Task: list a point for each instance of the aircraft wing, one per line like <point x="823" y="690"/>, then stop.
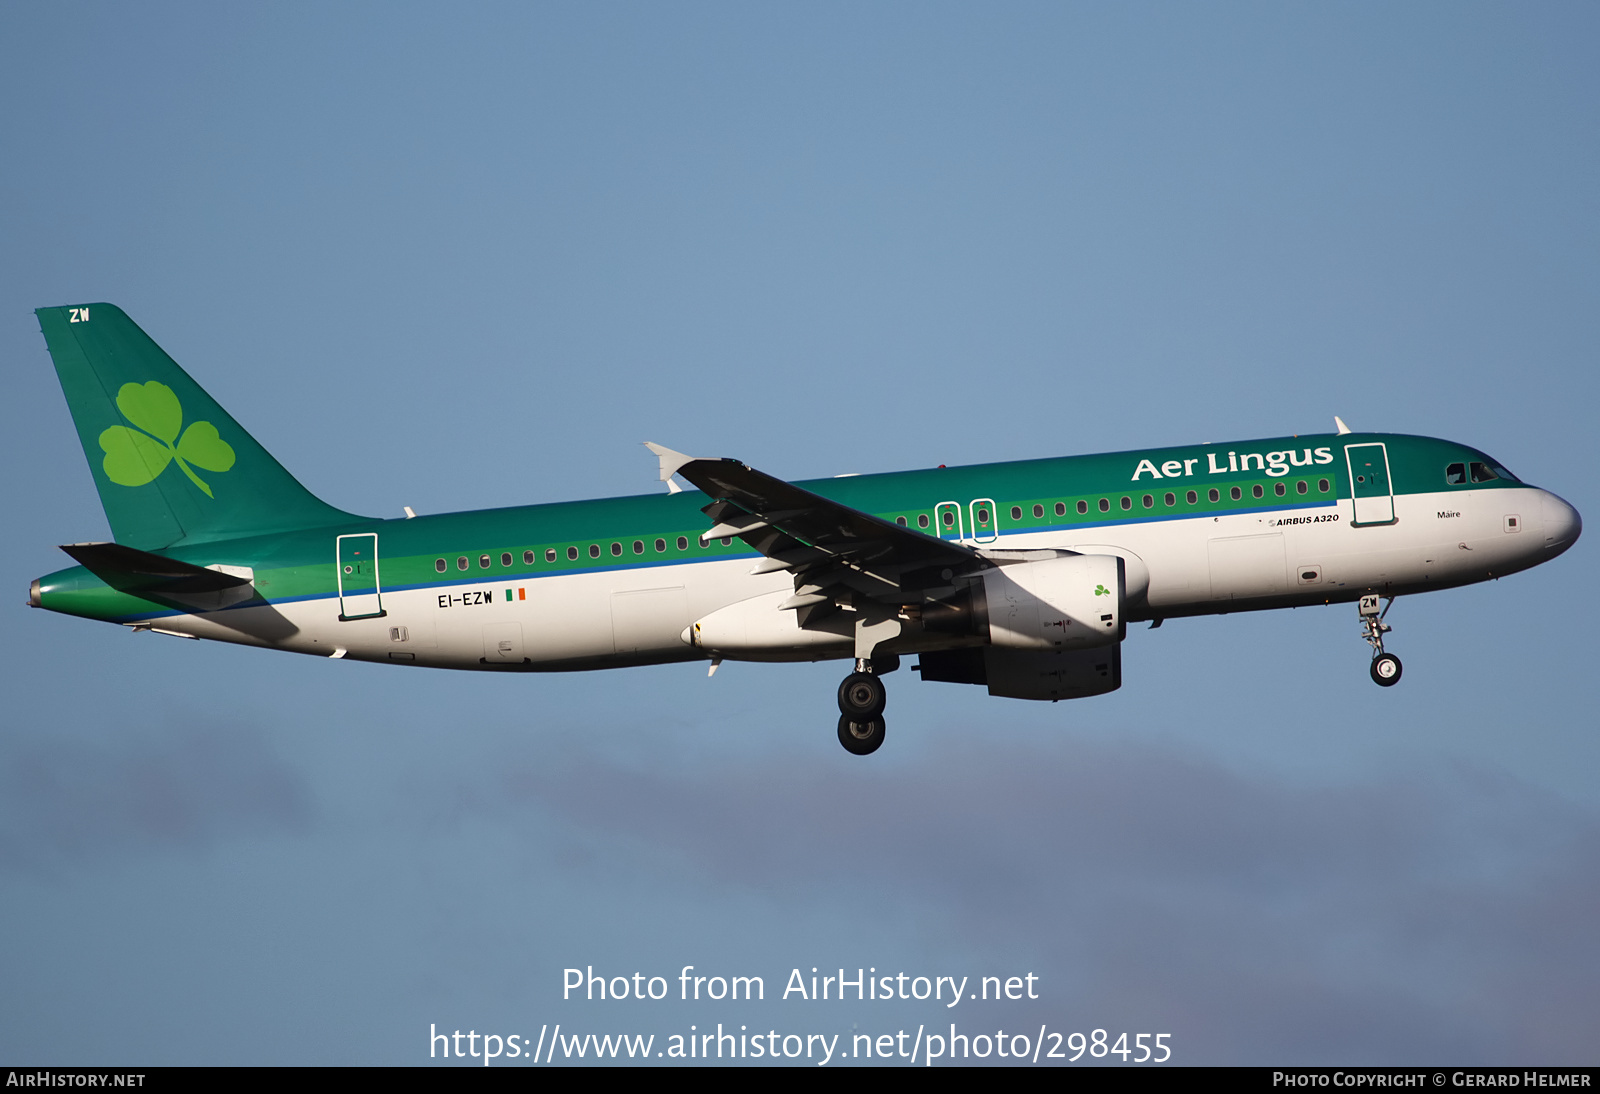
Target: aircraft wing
<point x="838" y="555"/>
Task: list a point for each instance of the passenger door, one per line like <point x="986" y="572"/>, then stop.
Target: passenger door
<point x="1370" y="489"/>
<point x="360" y="591"/>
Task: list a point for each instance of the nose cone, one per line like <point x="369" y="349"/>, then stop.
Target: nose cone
<point x="1562" y="524"/>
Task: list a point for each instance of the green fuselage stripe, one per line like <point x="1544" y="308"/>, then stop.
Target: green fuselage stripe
<point x="1072" y="494"/>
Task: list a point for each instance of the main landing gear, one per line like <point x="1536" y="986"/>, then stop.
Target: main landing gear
<point x="1385" y="666"/>
<point x="861" y="701"/>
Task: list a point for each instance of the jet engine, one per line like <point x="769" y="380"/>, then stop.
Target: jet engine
<point x="1070" y="602"/>
<point x="1055" y="629"/>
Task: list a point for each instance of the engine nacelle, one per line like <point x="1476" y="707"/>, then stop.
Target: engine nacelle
<point x="1072" y="602"/>
<point x="1029" y="674"/>
<point x="1059" y="674"/>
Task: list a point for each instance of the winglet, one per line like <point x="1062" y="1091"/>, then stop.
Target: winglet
<point x="1338" y="421"/>
<point x="670" y="462"/>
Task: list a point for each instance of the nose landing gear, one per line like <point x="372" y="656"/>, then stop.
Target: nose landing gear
<point x="1386" y="670"/>
<point x="861" y="701"/>
<point x="1386" y="667"/>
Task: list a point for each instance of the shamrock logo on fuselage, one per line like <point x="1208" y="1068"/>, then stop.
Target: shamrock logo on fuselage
<point x="1101" y="590"/>
<point x="134" y="458"/>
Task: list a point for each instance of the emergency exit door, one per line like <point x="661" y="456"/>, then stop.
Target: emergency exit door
<point x="947" y="521"/>
<point x="984" y="524"/>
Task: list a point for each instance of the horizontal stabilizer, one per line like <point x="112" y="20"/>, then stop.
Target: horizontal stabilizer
<point x="135" y="571"/>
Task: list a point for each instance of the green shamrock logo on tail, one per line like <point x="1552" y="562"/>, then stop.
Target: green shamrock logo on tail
<point x="134" y="458"/>
<point x="1101" y="590"/>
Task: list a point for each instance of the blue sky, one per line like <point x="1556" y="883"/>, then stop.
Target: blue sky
<point x="472" y="258"/>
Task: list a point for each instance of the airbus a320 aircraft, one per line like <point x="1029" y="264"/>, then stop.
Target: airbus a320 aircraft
<point x="1021" y="577"/>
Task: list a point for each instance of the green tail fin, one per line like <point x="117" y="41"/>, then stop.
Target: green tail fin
<point x="170" y="464"/>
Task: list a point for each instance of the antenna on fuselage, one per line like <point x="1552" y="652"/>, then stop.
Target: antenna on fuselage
<point x="1338" y="421"/>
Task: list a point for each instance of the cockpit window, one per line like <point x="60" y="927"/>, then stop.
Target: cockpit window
<point x="1458" y="474"/>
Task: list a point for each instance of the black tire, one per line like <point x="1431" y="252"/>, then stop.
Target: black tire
<point x="1386" y="670"/>
<point x="862" y="696"/>
<point x="860" y="738"/>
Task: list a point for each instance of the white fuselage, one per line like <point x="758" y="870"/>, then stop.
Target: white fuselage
<point x="1184" y="566"/>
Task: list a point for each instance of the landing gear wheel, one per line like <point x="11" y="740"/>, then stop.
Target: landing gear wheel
<point x="1385" y="666"/>
<point x="1386" y="670"/>
<point x="861" y="738"/>
<point x="862" y="697"/>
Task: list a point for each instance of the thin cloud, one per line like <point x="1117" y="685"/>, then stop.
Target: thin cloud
<point x="64" y="802"/>
<point x="1439" y="916"/>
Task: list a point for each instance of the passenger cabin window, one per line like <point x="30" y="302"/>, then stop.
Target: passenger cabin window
<point x="1322" y="485"/>
<point x="683" y="543"/>
<point x="1256" y="490"/>
<point x="1236" y="493"/>
<point x="1149" y="502"/>
<point x="483" y="562"/>
<point x="1279" y="489"/>
<point x="949" y="519"/>
<point x="1171" y="499"/>
<point x="440" y="565"/>
<point x="1038" y="510"/>
<point x="1213" y="495"/>
<point x="661" y="545"/>
<point x="1016" y="512"/>
<point x="594" y="550"/>
<point x="461" y="563"/>
<point x="1127" y="503"/>
<point x="527" y="558"/>
<point x="1191" y="497"/>
<point x="616" y="548"/>
<point x="1083" y="507"/>
<point x="572" y="554"/>
<point x="922" y="520"/>
<point x="505" y="558"/>
<point x="1105" y="505"/>
<point x="638" y="546"/>
<point x="1061" y="508"/>
<point x="901" y="521"/>
<point x="550" y="554"/>
<point x="1300" y="487"/>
